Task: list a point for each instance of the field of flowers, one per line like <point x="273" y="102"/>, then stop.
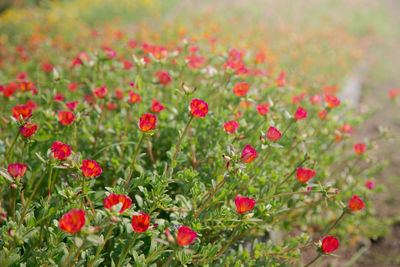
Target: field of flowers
<point x="151" y="141"/>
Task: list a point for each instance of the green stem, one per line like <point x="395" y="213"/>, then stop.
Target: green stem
<point x="11" y="148"/>
<point x="314" y="260"/>
<point x="102" y="246"/>
<point x="178" y="146"/>
<point x="49" y="184"/>
<point x="134" y="160"/>
<point x="169" y="259"/>
<point x="289" y="194"/>
<point x="155" y="254"/>
<point x="31" y="197"/>
<point x="335" y="223"/>
<point x="127" y="249"/>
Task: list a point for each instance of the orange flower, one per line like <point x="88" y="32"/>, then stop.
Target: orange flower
<point x="185" y="236"/>
<point x="198" y="108"/>
<point x="322" y="114"/>
<point x="134" y="98"/>
<point x="273" y="134"/>
<point x="119" y="94"/>
<point x="113" y="199"/>
<point x="300" y="114"/>
<point x="17" y="169"/>
<point x="127" y="64"/>
<point x="304" y="174"/>
<point x="248" y="154"/>
<point x="66" y="117"/>
<point x="141" y="222"/>
<point x="28" y="129"/>
<point x="330" y="244"/>
<point x="90" y="168"/>
<point x="281" y="81"/>
<point x="21" y="110"/>
<point x="359" y="148"/>
<point x="241" y="88"/>
<point x="263" y="109"/>
<point x="26" y="86"/>
<point x="156" y="106"/>
<point x="244" y="204"/>
<point x="100" y="92"/>
<point x="356" y="203"/>
<point x="332" y="101"/>
<point x="163" y="77"/>
<point x="73" y="221"/>
<point x="60" y="150"/>
<point x="315" y="99"/>
<point x="147" y="122"/>
<point x="231" y="126"/>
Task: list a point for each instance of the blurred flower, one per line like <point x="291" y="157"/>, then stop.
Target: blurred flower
<point x="141" y="222"/>
<point x="248" y="154"/>
<point x="322" y="114"/>
<point x="17" y="169"/>
<point x="60" y="150"/>
<point x="163" y="77"/>
<point x="298" y="98"/>
<point x="72" y="87"/>
<point x="113" y="199"/>
<point x="66" y="117"/>
<point x="263" y="109"/>
<point x="273" y="134"/>
<point x="241" y="88"/>
<point x="156" y="106"/>
<point x="304" y="174"/>
<point x="47" y="67"/>
<point x="281" y="80"/>
<point x="100" y="92"/>
<point x="127" y="64"/>
<point x="330" y="244"/>
<point x="59" y="97"/>
<point x="332" y="101"/>
<point x="231" y="126"/>
<point x="300" y="114"/>
<point x="244" y="204"/>
<point x="315" y="99"/>
<point x="90" y="168"/>
<point x="109" y="52"/>
<point x="393" y="93"/>
<point x="31" y="104"/>
<point x="356" y="203"/>
<point x="134" y="98"/>
<point x="72" y="105"/>
<point x="119" y="94"/>
<point x="147" y="122"/>
<point x="26" y="86"/>
<point x="198" y="108"/>
<point x="21" y="110"/>
<point x="73" y="221"/>
<point x="185" y="236"/>
<point x="28" y="129"/>
<point x="111" y="105"/>
<point x="370" y="184"/>
<point x="359" y="148"/>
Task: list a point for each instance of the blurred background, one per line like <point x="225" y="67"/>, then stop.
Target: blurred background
<point x="351" y="45"/>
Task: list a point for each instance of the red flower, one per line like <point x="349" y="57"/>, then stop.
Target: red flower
<point x="47" y="67"/>
<point x="359" y="148"/>
<point x="332" y="101"/>
<point x="119" y="94"/>
<point x="241" y="88"/>
<point x="60" y="150"/>
<point x="370" y="185"/>
<point x="127" y="64"/>
<point x="90" y="168"/>
<point x="59" y="97"/>
<point x="17" y="169"/>
<point x="147" y="122"/>
<point x="263" y="109"/>
<point x="281" y="81"/>
<point x="248" y="154"/>
<point x="113" y="199"/>
<point x="231" y="126"/>
<point x="300" y="114"/>
<point x="140" y="223"/>
<point x="273" y="134"/>
<point x="111" y="106"/>
<point x="315" y="99"/>
<point x="393" y="93"/>
<point x="26" y="86"/>
<point x="134" y="98"/>
<point x="28" y="130"/>
<point x="21" y="110"/>
<point x="109" y="52"/>
<point x="72" y="86"/>
<point x="322" y="114"/>
<point x="330" y="244"/>
<point x="356" y="203"/>
<point x="163" y="77"/>
<point x="72" y="105"/>
<point x="31" y="104"/>
<point x="198" y="108"/>
<point x="244" y="204"/>
<point x="100" y="92"/>
<point x="66" y="117"/>
<point x="156" y="106"/>
<point x="304" y="174"/>
<point x="260" y="57"/>
<point x="73" y="221"/>
<point x="185" y="236"/>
